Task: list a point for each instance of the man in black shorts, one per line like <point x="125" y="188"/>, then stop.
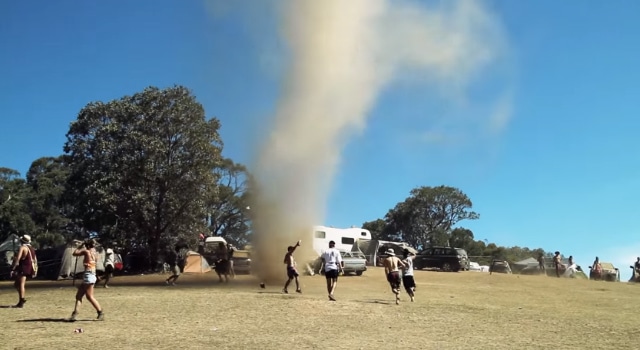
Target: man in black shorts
<point x="332" y="261"/>
<point x="292" y="272"/>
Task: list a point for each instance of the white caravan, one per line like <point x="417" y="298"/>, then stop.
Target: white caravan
<point x="344" y="237"/>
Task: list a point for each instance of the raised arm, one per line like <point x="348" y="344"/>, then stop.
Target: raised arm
<point x="79" y="251"/>
<point x="295" y="246"/>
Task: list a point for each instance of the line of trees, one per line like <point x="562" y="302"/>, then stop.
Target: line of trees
<point x="143" y="171"/>
<point x="428" y="217"/>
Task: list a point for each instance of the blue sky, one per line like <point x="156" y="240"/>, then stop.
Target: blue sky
<point x="561" y="175"/>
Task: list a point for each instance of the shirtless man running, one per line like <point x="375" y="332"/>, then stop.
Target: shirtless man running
<point x="292" y="272"/>
<point x="392" y="265"/>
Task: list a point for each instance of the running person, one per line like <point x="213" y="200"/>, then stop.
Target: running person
<point x="392" y="265"/>
<point x="407" y="274"/>
<point x="292" y="272"/>
<point x="332" y="261"/>
<point x="22" y="268"/>
<point x="88" y="278"/>
<point x="172" y="260"/>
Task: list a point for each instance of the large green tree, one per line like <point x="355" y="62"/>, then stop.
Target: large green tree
<point x="47" y="178"/>
<point x="14" y="214"/>
<point x="142" y="165"/>
<point x="429" y="214"/>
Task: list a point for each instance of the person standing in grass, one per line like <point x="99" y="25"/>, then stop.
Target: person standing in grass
<point x="407" y="274"/>
<point x="392" y="265"/>
<point x="172" y="260"/>
<point x="23" y="267"/>
<point x="541" y="263"/>
<point x="557" y="263"/>
<point x="332" y="261"/>
<point x="109" y="265"/>
<point x="292" y="272"/>
<point x="89" y="254"/>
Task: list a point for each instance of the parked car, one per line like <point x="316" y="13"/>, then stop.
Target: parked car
<point x="474" y="266"/>
<point x="354" y="262"/>
<point x="443" y="258"/>
<point x="242" y="261"/>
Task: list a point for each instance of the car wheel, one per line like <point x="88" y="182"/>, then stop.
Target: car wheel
<point x="446" y="267"/>
<point x="358" y="273"/>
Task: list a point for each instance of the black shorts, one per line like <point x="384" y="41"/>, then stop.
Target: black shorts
<point x="331" y="274"/>
<point x="108" y="270"/>
<point x="292" y="272"/>
<point x="408" y="282"/>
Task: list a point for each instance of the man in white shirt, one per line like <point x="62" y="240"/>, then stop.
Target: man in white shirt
<point x="109" y="262"/>
<point x="407" y="274"/>
<point x="333" y="264"/>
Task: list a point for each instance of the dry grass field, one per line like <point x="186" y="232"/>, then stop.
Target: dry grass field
<point x="452" y="311"/>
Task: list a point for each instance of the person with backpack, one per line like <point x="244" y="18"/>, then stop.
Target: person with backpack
<point x="25" y="265"/>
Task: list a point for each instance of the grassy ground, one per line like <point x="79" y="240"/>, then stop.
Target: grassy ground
<point x="464" y="310"/>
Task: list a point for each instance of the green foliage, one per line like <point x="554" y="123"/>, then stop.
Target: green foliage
<point x="428" y="215"/>
<point x="14" y="214"/>
<point x="141" y="167"/>
<point x="48" y="207"/>
<point x="227" y="203"/>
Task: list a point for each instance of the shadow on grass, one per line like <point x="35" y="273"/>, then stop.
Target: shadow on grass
<point x="376" y="301"/>
<point x="7" y="307"/>
<point x="47" y="319"/>
<point x="156" y="280"/>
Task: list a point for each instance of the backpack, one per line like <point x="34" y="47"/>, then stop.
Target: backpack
<point x="34" y="263"/>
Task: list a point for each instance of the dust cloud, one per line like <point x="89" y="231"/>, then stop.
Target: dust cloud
<point x="342" y="55"/>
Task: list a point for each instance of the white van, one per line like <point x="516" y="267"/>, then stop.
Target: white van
<point x="345" y="238"/>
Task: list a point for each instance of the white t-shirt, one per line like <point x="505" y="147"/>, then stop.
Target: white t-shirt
<point x="109" y="258"/>
<point x="331" y="258"/>
<point x="408" y="269"/>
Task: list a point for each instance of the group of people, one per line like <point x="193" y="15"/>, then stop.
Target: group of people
<point x="25" y="266"/>
<point x="398" y="271"/>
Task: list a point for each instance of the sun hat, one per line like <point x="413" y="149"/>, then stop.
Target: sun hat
<point x="390" y="252"/>
<point x="25" y="239"/>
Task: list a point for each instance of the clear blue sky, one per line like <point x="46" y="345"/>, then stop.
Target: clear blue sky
<point x="562" y="176"/>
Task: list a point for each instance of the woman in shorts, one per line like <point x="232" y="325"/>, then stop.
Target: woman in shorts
<point x="88" y="252"/>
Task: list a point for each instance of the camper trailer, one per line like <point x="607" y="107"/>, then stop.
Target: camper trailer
<point x="345" y="238"/>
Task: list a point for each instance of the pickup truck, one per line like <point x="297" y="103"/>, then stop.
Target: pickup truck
<point x="354" y="262"/>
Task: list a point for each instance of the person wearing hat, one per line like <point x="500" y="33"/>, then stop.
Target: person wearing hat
<point x="22" y="267"/>
<point x="407" y="274"/>
<point x="392" y="265"/>
<point x="332" y="261"/>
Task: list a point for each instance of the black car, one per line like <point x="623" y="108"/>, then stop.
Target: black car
<point x="443" y="258"/>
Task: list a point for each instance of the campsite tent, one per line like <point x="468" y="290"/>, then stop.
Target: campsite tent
<point x="70" y="264"/>
<point x="529" y="262"/>
<point x="195" y="263"/>
<point x="10" y="244"/>
<point x="7" y="251"/>
<point x="373" y="248"/>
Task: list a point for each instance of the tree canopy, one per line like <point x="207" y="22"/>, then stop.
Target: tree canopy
<point x="141" y="166"/>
